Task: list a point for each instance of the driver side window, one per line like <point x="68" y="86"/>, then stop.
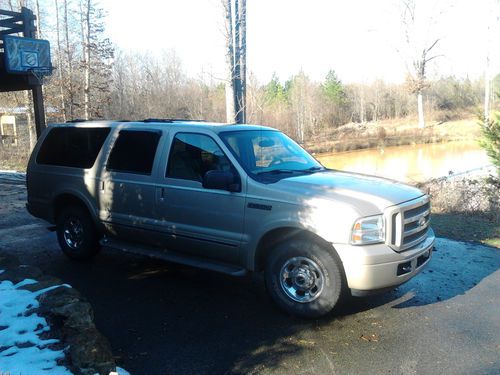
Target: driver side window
<point x="192" y="155"/>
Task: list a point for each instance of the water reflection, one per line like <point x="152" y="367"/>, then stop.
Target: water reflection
<point x="412" y="163"/>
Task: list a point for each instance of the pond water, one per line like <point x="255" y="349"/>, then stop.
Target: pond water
<point x="411" y="163"/>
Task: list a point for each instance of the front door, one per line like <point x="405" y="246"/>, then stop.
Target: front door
<point x="207" y="222"/>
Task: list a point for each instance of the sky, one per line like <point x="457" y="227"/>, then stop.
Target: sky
<point x="361" y="40"/>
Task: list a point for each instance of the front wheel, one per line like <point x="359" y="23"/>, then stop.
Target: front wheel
<point x="77" y="234"/>
<point x="304" y="278"/>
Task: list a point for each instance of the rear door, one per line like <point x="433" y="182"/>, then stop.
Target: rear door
<point x="127" y="183"/>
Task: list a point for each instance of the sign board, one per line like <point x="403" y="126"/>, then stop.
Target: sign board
<point x="26" y="55"/>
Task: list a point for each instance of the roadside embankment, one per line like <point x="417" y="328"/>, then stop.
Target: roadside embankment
<point x="355" y="136"/>
<point x="47" y="327"/>
<point x="466" y="207"/>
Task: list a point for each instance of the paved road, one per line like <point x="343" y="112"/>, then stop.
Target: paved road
<point x="167" y="319"/>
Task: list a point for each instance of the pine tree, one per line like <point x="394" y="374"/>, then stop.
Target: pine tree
<point x="491" y="139"/>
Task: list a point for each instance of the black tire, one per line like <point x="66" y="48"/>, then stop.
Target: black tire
<point x="304" y="256"/>
<point x="77" y="234"/>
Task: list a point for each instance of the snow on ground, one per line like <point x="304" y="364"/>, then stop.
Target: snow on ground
<point x="12" y="177"/>
<point x="22" y="351"/>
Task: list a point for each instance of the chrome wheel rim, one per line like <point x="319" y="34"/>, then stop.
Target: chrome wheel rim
<point x="302" y="279"/>
<point x="73" y="232"/>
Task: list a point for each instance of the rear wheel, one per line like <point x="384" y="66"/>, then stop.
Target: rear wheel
<point x="304" y="278"/>
<point x="77" y="234"/>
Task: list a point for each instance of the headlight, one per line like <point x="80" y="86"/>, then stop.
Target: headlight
<point x="368" y="230"/>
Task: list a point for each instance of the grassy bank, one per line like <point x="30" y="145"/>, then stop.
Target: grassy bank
<point x="387" y="133"/>
<point x="463" y="227"/>
<point x="466" y="209"/>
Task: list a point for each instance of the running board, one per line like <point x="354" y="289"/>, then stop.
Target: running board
<point x="169" y="256"/>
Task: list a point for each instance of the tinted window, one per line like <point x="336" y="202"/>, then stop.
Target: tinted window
<point x="72" y="147"/>
<point x="193" y="155"/>
<point x="134" y="151"/>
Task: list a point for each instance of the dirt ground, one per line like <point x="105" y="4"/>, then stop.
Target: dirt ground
<point x="162" y="318"/>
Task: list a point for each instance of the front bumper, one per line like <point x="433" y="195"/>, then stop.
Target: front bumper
<point x="377" y="267"/>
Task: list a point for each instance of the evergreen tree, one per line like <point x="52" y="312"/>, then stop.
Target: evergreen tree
<point x="333" y="88"/>
<point x="491" y="139"/>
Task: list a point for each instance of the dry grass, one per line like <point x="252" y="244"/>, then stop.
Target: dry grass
<point x="14" y="157"/>
<point x="466" y="209"/>
<point x="391" y="133"/>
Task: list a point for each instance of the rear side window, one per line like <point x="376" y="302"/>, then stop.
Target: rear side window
<point x="134" y="152"/>
<point x="72" y="147"/>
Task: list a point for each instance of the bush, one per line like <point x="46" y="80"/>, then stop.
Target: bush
<point x="491" y="139"/>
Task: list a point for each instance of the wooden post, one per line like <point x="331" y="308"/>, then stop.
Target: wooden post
<point x="29" y="31"/>
<point x="38" y="109"/>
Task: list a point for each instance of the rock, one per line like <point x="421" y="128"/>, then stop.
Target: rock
<point x="59" y="297"/>
<point x="90" y="352"/>
<point x="79" y="315"/>
<point x="71" y="315"/>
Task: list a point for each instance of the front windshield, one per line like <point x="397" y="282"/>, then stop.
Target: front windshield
<point x="269" y="152"/>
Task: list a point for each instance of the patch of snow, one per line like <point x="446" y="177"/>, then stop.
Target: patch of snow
<point x="119" y="371"/>
<point x="22" y="351"/>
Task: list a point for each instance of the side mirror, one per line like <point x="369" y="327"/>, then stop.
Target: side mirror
<point x="222" y="180"/>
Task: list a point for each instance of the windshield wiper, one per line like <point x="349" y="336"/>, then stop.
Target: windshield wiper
<point x="277" y="171"/>
<point x="313" y="169"/>
<point x="290" y="171"/>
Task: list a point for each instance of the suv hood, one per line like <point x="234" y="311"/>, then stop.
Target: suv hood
<point x="368" y="195"/>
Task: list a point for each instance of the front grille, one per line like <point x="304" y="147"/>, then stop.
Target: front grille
<point x="409" y="223"/>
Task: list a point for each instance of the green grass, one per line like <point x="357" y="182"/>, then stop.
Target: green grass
<point x="464" y="227"/>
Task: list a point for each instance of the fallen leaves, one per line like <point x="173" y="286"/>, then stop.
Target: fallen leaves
<point x="370" y="338"/>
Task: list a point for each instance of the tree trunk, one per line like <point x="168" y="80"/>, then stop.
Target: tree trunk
<point x="60" y="70"/>
<point x="86" y="37"/>
<point x="420" y="108"/>
<point x="243" y="59"/>
<point x="228" y="23"/>
<point x="362" y="106"/>
<point x="38" y="27"/>
<point x="487" y="89"/>
<point x="237" y="65"/>
<point x="71" y="93"/>
<point x="29" y="120"/>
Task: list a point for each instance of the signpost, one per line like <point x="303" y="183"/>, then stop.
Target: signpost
<point x="24" y="61"/>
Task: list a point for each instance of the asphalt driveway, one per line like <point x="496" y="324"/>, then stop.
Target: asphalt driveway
<point x="167" y="319"/>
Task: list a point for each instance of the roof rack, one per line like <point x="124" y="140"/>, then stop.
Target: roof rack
<point x="170" y="120"/>
<point x="76" y="120"/>
<point x="83" y="120"/>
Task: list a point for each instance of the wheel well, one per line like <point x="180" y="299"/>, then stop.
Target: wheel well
<point x="276" y="236"/>
<point x="64" y="200"/>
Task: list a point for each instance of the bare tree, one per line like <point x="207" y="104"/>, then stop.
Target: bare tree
<point x="243" y="59"/>
<point x="59" y="60"/>
<point x="85" y="14"/>
<point x="235" y="36"/>
<point x="69" y="63"/>
<point x="492" y="20"/>
<point x="228" y="35"/>
<point x="421" y="53"/>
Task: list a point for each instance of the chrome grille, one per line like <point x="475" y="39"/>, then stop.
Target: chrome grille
<point x="408" y="223"/>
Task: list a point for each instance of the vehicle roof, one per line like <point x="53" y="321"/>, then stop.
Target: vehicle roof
<point x="162" y="124"/>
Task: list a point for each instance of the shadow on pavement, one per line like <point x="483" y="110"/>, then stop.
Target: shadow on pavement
<point x="162" y="318"/>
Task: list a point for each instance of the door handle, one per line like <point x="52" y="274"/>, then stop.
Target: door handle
<point x="162" y="194"/>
